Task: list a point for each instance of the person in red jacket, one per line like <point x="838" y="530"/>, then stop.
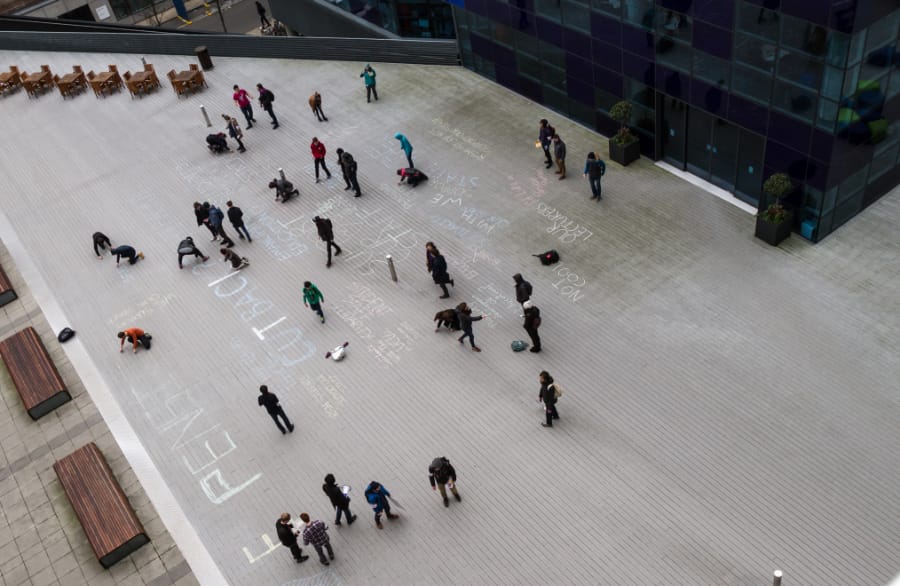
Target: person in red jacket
<point x="136" y="336"/>
<point x="318" y="153"/>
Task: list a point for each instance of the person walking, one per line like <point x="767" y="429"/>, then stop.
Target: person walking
<point x="216" y="217"/>
<point x="287" y="535"/>
<point x="261" y="10"/>
<point x="234" y="131"/>
<point x="594" y="169"/>
<point x="124" y="250"/>
<point x="101" y="242"/>
<point x="273" y="408"/>
<point x="442" y="475"/>
<point x="186" y="247"/>
<point x="439" y="271"/>
<point x="548" y="395"/>
<point x="315" y="102"/>
<point x="323" y="226"/>
<point x="237" y="261"/>
<point x="523" y="288"/>
<point x="134" y="336"/>
<point x="266" y="97"/>
<point x="315" y="533"/>
<point x="339" y="500"/>
<point x="318" y="153"/>
<point x="313" y="298"/>
<point x="201" y="212"/>
<point x="406" y="147"/>
<point x="377" y="496"/>
<point x="348" y="169"/>
<point x="532" y="323"/>
<point x="545" y="137"/>
<point x="369" y="74"/>
<point x="244" y="102"/>
<point x="559" y="151"/>
<point x="236" y="217"/>
<point x="464" y="312"/>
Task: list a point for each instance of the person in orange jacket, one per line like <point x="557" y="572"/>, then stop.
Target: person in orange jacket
<point x="135" y="336"/>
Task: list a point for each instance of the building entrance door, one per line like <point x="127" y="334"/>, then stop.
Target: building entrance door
<point x="712" y="147"/>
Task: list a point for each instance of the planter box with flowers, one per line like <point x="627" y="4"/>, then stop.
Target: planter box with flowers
<point x="624" y="147"/>
<point x="774" y="223"/>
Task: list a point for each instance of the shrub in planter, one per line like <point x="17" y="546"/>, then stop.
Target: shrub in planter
<point x="774" y="223"/>
<point x="624" y="147"/>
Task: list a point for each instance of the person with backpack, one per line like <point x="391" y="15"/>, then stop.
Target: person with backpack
<point x="216" y="217"/>
<point x="313" y="299"/>
<point x="318" y="152"/>
<point x="315" y="102"/>
<point x="369" y="74"/>
<point x="234" y="131"/>
<point x="377" y="496"/>
<point x="523" y="288"/>
<point x="532" y="323"/>
<point x="266" y="97"/>
<point x="186" y="247"/>
<point x="548" y="394"/>
<point x="594" y="169"/>
<point x="323" y="227"/>
<point x="339" y="500"/>
<point x="348" y="169"/>
<point x="438" y="267"/>
<point x="441" y="474"/>
<point x="236" y="217"/>
<point x="545" y="136"/>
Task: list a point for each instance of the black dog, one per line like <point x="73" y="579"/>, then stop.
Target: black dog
<point x="447" y="318"/>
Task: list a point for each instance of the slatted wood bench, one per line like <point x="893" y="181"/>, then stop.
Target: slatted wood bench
<point x="106" y="516"/>
<point x="6" y="291"/>
<point x="41" y="388"/>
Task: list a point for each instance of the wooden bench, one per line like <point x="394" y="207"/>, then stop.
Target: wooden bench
<point x="6" y="291"/>
<point x="33" y="372"/>
<point x="106" y="516"/>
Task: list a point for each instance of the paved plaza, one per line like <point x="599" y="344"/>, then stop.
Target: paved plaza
<point x="729" y="408"/>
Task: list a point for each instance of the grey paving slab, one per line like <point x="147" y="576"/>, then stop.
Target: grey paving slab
<point x="730" y="408"/>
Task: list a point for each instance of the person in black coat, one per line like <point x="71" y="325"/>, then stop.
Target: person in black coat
<point x="523" y="288"/>
<point x="548" y="396"/>
<point x="236" y="217"/>
<point x="532" y="323"/>
<point x="202" y="214"/>
<point x="186" y="247"/>
<point x="438" y="267"/>
<point x="101" y="242"/>
<point x="323" y="226"/>
<point x="465" y="323"/>
<point x="287" y="535"/>
<point x="339" y="500"/>
<point x="441" y="473"/>
<point x="270" y="402"/>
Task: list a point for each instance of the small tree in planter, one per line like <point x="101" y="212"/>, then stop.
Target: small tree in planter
<point x="624" y="147"/>
<point x="774" y="223"/>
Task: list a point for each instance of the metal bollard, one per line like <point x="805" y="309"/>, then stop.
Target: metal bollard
<point x="776" y="581"/>
<point x="281" y="172"/>
<point x="390" y="262"/>
<point x="205" y="116"/>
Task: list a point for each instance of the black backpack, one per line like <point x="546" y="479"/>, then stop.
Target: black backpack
<point x="548" y="258"/>
<point x="438" y="465"/>
<point x="270" y="95"/>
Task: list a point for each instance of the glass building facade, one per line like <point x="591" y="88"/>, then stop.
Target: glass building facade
<point x="730" y="90"/>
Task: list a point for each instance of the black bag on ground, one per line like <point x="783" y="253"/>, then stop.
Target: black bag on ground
<point x="65" y="334"/>
<point x="548" y="258"/>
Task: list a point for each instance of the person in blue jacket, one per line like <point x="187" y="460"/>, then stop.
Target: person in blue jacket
<point x="405" y="147"/>
<point x="377" y="496"/>
<point x="215" y="222"/>
<point x="594" y="169"/>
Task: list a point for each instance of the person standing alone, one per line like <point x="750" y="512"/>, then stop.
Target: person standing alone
<point x="261" y="10"/>
<point x="438" y="267"/>
<point x="369" y="74"/>
<point x="315" y="102"/>
<point x="313" y="298"/>
<point x="441" y="473"/>
<point x="318" y="153"/>
<point x="559" y="151"/>
<point x="236" y="217"/>
<point x="273" y="408"/>
<point x="548" y="395"/>
<point x="377" y="496"/>
<point x="266" y="97"/>
<point x="594" y="169"/>
<point x="242" y="99"/>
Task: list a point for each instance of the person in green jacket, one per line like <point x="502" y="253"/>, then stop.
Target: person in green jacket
<point x="313" y="298"/>
<point x="369" y="74"/>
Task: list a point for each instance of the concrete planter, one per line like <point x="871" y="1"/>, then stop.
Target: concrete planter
<point x="624" y="154"/>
